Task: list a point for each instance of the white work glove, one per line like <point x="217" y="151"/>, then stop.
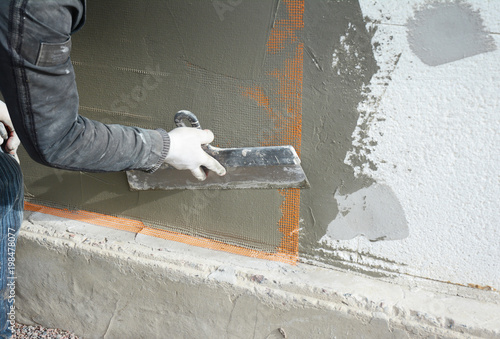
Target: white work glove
<point x="186" y="152"/>
<point x="9" y="140"/>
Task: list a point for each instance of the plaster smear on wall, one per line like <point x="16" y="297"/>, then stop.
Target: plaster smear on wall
<point x="358" y="212"/>
<point x="331" y="93"/>
<point x="428" y="130"/>
<point x="373" y="212"/>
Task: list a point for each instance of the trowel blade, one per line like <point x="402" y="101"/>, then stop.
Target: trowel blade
<point x="251" y="167"/>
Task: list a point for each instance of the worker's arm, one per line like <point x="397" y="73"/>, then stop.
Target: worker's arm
<point x="38" y="82"/>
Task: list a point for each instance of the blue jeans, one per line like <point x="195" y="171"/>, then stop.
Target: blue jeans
<point x="11" y="216"/>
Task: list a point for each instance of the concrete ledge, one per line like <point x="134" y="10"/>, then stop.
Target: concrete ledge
<point x="104" y="283"/>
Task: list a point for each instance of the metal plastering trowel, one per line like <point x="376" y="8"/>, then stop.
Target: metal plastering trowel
<point x="247" y="167"/>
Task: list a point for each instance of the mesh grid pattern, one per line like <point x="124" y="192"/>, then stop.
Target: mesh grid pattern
<point x="273" y="105"/>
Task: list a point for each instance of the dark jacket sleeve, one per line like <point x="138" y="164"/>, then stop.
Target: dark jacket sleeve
<point x="37" y="81"/>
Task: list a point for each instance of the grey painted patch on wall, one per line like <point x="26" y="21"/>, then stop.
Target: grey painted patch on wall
<point x="373" y="212"/>
<point x="447" y="32"/>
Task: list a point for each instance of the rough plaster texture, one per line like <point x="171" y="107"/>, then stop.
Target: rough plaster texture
<point x="104" y="283"/>
<point x="428" y="131"/>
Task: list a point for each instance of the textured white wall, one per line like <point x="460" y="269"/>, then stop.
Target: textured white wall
<point x="436" y="133"/>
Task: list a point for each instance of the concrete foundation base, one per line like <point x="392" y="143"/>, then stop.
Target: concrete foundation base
<point x="104" y="283"/>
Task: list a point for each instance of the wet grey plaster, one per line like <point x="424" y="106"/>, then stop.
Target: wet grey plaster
<point x="330" y="99"/>
<point x="138" y="63"/>
<point x="155" y="60"/>
<point x="445" y="32"/>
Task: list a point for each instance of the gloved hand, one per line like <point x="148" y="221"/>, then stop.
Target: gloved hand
<point x="9" y="141"/>
<point x="186" y="152"/>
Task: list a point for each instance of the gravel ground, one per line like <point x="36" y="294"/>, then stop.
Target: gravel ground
<point x="39" y="332"/>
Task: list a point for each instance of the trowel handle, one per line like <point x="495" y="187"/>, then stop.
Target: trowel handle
<point x="186" y="115"/>
<point x="179" y="118"/>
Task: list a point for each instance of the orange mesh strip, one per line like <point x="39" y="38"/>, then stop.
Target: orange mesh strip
<point x="88" y="217"/>
<point x="288" y="123"/>
<point x="290" y="133"/>
<point x="284" y="30"/>
<point x="138" y="227"/>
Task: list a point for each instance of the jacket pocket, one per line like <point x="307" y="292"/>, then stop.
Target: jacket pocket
<point x="53" y="54"/>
